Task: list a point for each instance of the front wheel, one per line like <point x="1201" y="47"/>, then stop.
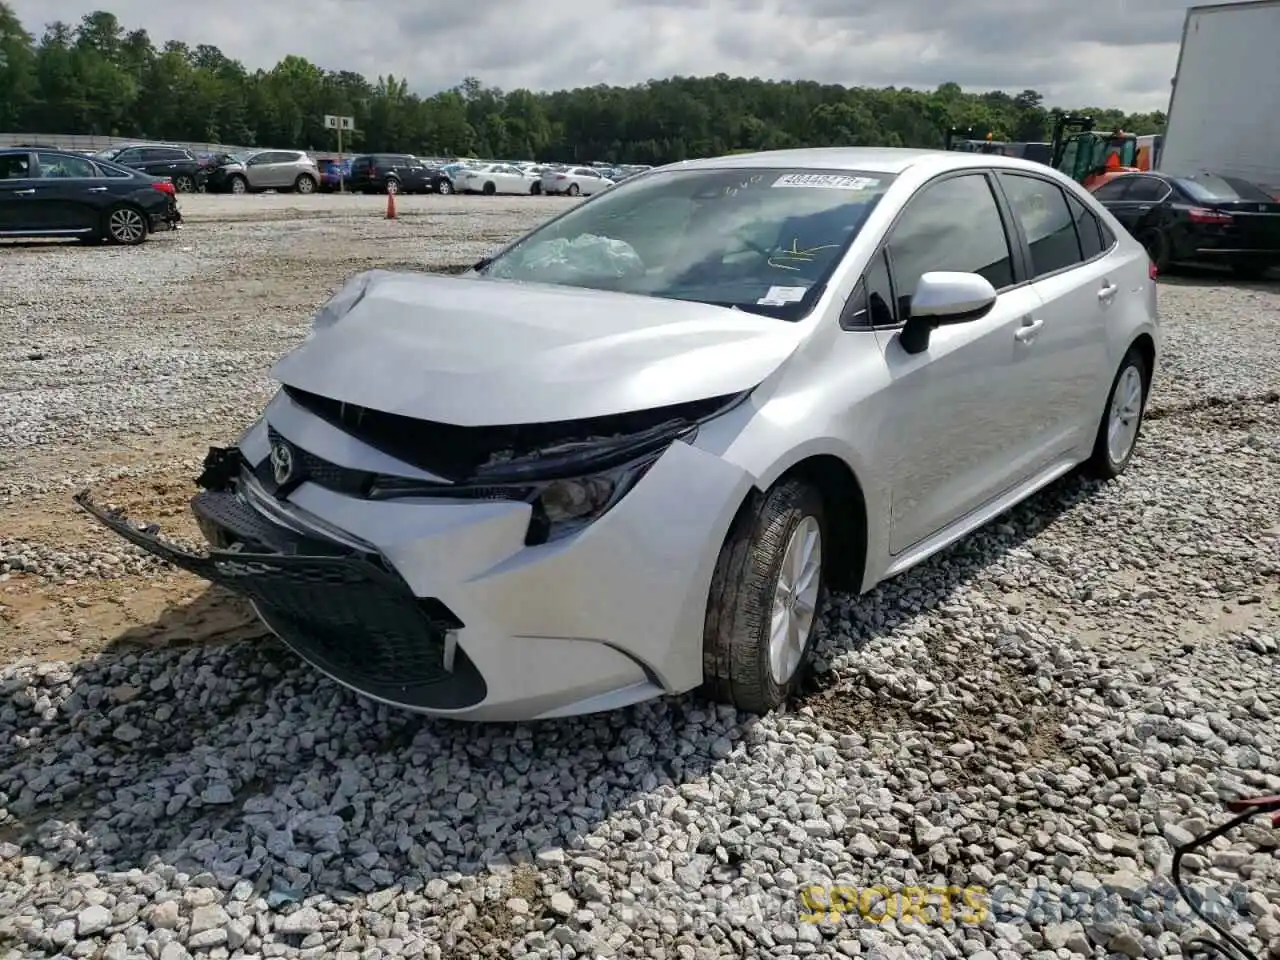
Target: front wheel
<point x="305" y="184"/>
<point x="535" y="188"/>
<point x="1117" y="435"/>
<point x="125" y="226"/>
<point x="766" y="595"/>
<point x="489" y="190"/>
<point x="393" y="185"/>
<point x="445" y="188"/>
<point x="184" y="183"/>
<point x="238" y="184"/>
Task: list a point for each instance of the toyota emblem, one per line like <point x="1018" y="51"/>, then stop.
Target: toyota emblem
<point x="281" y="462"/>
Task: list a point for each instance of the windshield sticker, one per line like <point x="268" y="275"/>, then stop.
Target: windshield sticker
<point x="825" y="181"/>
<point x="781" y="296"/>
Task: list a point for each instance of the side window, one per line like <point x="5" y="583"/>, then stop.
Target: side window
<point x="133" y="155"/>
<point x="1147" y="190"/>
<point x="1042" y="212"/>
<point x="15" y="166"/>
<point x="112" y="172"/>
<point x="1114" y="189"/>
<point x="872" y="302"/>
<point x="1108" y="238"/>
<point x="953" y="224"/>
<point x="57" y="167"/>
<point x="1088" y="229"/>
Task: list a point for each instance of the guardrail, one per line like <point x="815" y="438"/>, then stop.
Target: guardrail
<point x="66" y="141"/>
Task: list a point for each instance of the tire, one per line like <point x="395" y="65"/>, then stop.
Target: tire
<point x="124" y="225"/>
<point x="305" y="183"/>
<point x="740" y="663"/>
<point x="393" y="185"/>
<point x="1158" y="248"/>
<point x="489" y="189"/>
<point x="1126" y="408"/>
<point x="535" y="188"/>
<point x="574" y="190"/>
<point x="184" y="183"/>
<point x="444" y="188"/>
<point x="238" y="184"/>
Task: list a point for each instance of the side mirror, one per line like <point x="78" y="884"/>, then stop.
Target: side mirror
<point x="942" y="299"/>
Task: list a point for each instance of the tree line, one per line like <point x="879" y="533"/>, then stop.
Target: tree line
<point x="99" y="78"/>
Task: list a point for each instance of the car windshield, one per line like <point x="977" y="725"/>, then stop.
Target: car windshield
<point x="761" y="240"/>
<point x="1210" y="188"/>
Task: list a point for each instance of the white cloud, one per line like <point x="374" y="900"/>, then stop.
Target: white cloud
<point x="1088" y="53"/>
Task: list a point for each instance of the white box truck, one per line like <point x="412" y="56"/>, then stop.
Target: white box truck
<point x="1224" y="111"/>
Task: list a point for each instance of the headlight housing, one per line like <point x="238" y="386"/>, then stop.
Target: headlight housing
<point x="561" y="508"/>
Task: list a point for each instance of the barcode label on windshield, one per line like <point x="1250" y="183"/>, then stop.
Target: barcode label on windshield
<point x="825" y="181"/>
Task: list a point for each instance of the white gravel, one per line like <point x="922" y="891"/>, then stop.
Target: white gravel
<point x="1040" y="712"/>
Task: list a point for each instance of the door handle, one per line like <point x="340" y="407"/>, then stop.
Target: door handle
<point x="24" y="193"/>
<point x="1108" y="292"/>
<point x="1144" y="208"/>
<point x="1027" y="332"/>
<point x="97" y="189"/>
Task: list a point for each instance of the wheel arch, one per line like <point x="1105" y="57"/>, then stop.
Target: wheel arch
<point x="845" y="504"/>
<point x="1145" y="344"/>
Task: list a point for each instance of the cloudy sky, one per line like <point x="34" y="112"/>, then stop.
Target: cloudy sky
<point x="1076" y="52"/>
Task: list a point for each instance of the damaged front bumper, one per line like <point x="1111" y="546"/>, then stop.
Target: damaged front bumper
<point x="339" y="608"/>
<point x="441" y="606"/>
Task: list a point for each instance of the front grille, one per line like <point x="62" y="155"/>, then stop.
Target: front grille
<point x="310" y="467"/>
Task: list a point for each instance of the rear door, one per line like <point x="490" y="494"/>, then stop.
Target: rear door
<point x="162" y="161"/>
<point x="69" y="191"/>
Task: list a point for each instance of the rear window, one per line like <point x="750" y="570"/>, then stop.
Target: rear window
<point x="1209" y="188"/>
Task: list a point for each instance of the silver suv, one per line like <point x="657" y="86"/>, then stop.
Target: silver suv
<point x="273" y="170"/>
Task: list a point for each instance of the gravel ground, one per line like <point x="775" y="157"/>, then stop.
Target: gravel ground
<point x="1032" y="718"/>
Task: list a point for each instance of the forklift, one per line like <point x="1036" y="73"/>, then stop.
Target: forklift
<point x="1090" y="157"/>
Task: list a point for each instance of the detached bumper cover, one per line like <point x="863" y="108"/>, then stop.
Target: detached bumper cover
<point x="342" y="611"/>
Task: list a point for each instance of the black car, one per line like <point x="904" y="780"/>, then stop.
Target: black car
<point x="395" y="173"/>
<point x="180" y="165"/>
<point x="1198" y="218"/>
<point x="55" y="193"/>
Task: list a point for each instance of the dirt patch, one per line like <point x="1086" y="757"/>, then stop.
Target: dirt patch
<point x="495" y="925"/>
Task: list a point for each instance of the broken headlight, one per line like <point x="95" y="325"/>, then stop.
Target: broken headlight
<point x="563" y="507"/>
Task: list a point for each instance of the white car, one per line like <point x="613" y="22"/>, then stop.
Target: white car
<point x="493" y="178"/>
<point x="574" y="181"/>
<point x="627" y="455"/>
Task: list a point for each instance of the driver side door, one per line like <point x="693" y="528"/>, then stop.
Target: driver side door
<point x="956" y="417"/>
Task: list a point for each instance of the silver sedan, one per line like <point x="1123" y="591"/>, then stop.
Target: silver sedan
<point x="628" y="454"/>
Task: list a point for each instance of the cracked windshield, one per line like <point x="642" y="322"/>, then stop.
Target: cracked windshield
<point x="758" y="240"/>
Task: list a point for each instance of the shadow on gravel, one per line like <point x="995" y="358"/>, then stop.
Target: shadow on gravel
<point x="1000" y="708"/>
<point x="238" y="761"/>
<point x="1209" y="276"/>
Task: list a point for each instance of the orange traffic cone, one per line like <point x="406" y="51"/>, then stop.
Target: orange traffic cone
<point x="391" y="206"/>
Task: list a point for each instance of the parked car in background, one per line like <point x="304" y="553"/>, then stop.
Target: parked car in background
<point x="334" y="174"/>
<point x="574" y="181"/>
<point x="628" y="454"/>
<point x="494" y="178"/>
<point x="179" y="164"/>
<point x="56" y="193"/>
<point x="391" y="173"/>
<point x="1200" y="218"/>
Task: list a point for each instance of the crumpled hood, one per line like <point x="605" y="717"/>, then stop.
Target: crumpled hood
<point x="476" y="352"/>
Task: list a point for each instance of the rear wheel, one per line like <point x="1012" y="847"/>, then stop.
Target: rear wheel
<point x="444" y="187"/>
<point x="125" y="226"/>
<point x="305" y="184"/>
<point x="238" y="184"/>
<point x="489" y="189"/>
<point x="765" y="598"/>
<point x="393" y="185"/>
<point x="574" y="190"/>
<point x="1117" y="435"/>
<point x="535" y="188"/>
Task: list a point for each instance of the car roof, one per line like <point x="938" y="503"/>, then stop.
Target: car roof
<point x="887" y="160"/>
